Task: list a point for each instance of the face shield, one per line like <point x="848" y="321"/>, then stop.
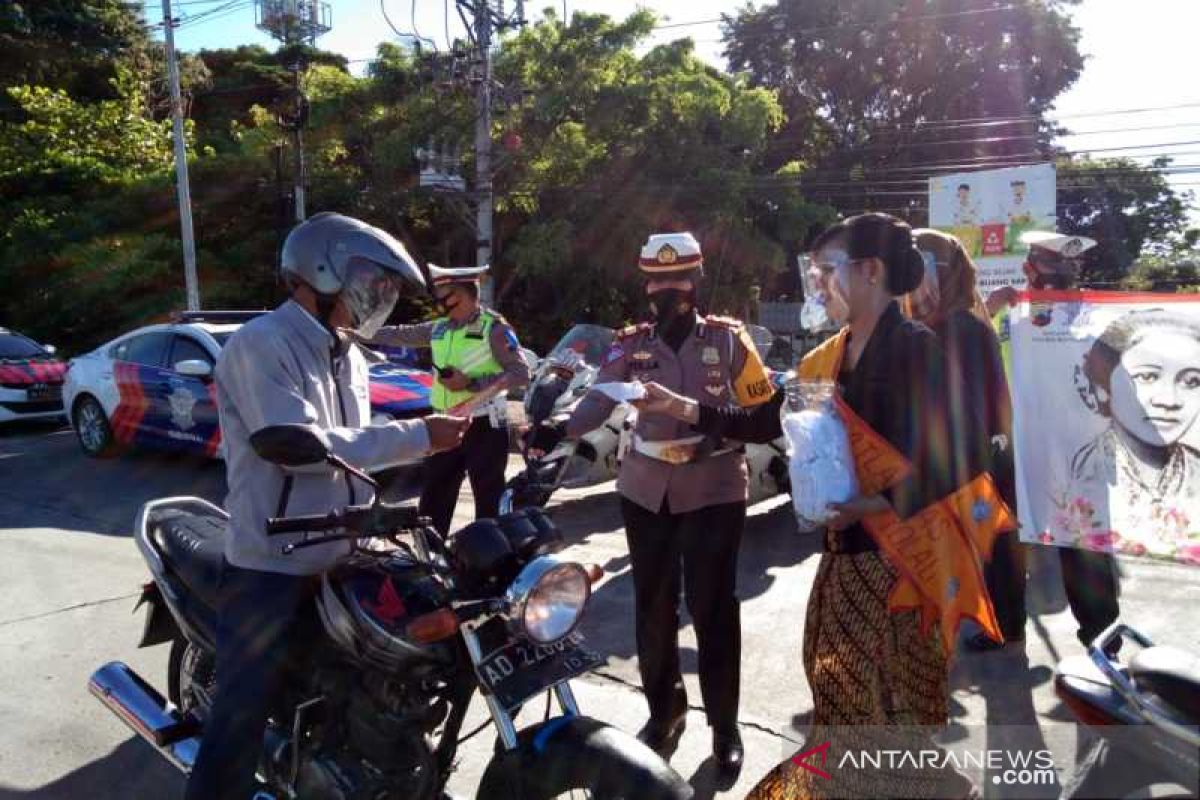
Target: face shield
<point x="814" y="316"/>
<point x="925" y="299"/>
<point x="831" y="268"/>
<point x="369" y="293"/>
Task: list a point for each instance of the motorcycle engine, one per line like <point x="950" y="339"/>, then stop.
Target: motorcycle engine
<point x="377" y="747"/>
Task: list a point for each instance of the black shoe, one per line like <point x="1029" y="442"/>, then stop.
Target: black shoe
<point x="661" y="737"/>
<point x="729" y="754"/>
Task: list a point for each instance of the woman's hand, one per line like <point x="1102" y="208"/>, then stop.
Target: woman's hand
<point x="661" y="400"/>
<point x="853" y="511"/>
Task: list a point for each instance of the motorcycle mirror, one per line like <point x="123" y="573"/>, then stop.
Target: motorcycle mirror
<point x="291" y="445"/>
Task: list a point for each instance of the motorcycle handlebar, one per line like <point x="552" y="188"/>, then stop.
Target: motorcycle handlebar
<point x="381" y="518"/>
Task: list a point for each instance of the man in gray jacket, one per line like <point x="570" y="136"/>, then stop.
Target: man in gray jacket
<point x="294" y="365"/>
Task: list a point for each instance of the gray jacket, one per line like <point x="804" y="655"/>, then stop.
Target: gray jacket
<point x="283" y="367"/>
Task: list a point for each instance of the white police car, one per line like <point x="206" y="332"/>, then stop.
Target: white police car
<point x="153" y="387"/>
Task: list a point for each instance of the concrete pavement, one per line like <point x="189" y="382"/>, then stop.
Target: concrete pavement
<point x="70" y="573"/>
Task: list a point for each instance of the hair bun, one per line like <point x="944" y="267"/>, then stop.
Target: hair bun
<point x="906" y="271"/>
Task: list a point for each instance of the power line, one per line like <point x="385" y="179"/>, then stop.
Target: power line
<point x="828" y="28"/>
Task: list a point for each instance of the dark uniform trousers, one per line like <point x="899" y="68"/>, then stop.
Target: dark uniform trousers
<point x="698" y="549"/>
<point x="482" y="457"/>
<point x="1089" y="578"/>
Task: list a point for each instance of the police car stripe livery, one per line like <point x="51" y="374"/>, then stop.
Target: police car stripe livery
<point x="148" y="402"/>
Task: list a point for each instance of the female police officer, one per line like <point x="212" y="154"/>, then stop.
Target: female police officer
<point x="683" y="496"/>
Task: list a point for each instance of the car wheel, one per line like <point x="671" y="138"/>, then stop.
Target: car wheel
<point x="92" y="428"/>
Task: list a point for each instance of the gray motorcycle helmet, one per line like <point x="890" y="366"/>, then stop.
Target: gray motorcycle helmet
<point x="319" y="251"/>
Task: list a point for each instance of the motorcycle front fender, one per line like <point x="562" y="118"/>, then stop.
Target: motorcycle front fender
<point x="580" y="753"/>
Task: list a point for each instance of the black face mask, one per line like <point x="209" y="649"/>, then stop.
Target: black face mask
<point x="668" y="305"/>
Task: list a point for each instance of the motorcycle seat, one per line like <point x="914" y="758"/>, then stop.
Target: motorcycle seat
<point x="193" y="547"/>
<point x="1172" y="674"/>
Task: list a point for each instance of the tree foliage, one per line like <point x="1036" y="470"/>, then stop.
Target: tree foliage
<point x="600" y="140"/>
<point x="1127" y="207"/>
<point x="880" y="94"/>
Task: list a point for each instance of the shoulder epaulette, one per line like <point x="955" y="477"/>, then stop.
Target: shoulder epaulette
<point x="724" y="322"/>
<point x="633" y="330"/>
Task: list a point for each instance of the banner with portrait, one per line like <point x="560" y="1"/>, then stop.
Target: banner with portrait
<point x="1106" y="395"/>
<point x="989" y="210"/>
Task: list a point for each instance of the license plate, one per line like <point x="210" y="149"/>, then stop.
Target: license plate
<point x="44" y="391"/>
<point x="521" y="669"/>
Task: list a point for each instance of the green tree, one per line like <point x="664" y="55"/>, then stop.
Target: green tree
<point x="615" y="146"/>
<point x="1178" y="271"/>
<point x="1130" y="209"/>
<point x="72" y="45"/>
<point x="878" y="92"/>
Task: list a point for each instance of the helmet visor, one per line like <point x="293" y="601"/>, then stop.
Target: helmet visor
<point x="369" y="293"/>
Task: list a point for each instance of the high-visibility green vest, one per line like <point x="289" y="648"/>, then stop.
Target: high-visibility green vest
<point x="1002" y="323"/>
<point x="468" y="349"/>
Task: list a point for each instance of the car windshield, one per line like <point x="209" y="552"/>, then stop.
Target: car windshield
<point x="590" y="341"/>
<point x="13" y="345"/>
<point x="222" y="338"/>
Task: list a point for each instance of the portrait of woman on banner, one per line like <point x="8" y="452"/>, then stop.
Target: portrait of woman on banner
<point x="1135" y="488"/>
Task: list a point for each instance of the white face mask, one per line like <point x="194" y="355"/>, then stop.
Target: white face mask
<point x="369" y="293"/>
<point x="814" y="315"/>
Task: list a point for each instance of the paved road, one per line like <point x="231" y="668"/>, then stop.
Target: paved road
<point x="69" y="575"/>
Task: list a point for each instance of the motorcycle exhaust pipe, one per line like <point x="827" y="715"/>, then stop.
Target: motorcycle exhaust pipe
<point x="147" y="713"/>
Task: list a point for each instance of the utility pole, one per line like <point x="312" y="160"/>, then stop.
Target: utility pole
<point x="181" y="168"/>
<point x="483" y="148"/>
<point x="298" y="144"/>
<point x="294" y="22"/>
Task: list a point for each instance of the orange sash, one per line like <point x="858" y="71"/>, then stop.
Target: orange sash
<point x="937" y="550"/>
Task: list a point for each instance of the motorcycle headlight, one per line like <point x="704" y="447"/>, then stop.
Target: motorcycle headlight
<point x="548" y="598"/>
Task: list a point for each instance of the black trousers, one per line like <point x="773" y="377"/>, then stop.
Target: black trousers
<point x="1090" y="580"/>
<point x="1005" y="576"/>
<point x="482" y="457"/>
<point x="255" y="629"/>
<point x="699" y="550"/>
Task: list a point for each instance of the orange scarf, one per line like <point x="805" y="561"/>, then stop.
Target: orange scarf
<point x="937" y="550"/>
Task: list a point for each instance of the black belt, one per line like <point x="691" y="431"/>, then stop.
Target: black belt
<point x="855" y="539"/>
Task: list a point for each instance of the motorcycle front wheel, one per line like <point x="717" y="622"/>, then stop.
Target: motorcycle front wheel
<point x="579" y="757"/>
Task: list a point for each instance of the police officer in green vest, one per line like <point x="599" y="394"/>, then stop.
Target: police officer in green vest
<point x="477" y="359"/>
<point x="1089" y="577"/>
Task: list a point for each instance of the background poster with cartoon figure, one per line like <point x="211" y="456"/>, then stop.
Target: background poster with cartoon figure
<point x="988" y="211"/>
<point x="1106" y="395"/>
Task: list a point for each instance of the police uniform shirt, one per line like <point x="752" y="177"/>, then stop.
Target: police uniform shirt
<point x="717" y="365"/>
<point x="503" y="340"/>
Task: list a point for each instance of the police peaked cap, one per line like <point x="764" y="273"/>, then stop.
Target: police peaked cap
<point x="1062" y="245"/>
<point x="671" y="254"/>
<point x="443" y="277"/>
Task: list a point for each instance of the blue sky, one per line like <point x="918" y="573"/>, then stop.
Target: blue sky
<point x="1140" y="56"/>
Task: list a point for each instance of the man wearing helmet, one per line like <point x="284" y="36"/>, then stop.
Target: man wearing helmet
<point x="478" y="359"/>
<point x="683" y="496"/>
<point x="294" y="365"/>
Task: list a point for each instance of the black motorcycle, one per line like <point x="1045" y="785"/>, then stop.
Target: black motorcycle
<point x="405" y="633"/>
